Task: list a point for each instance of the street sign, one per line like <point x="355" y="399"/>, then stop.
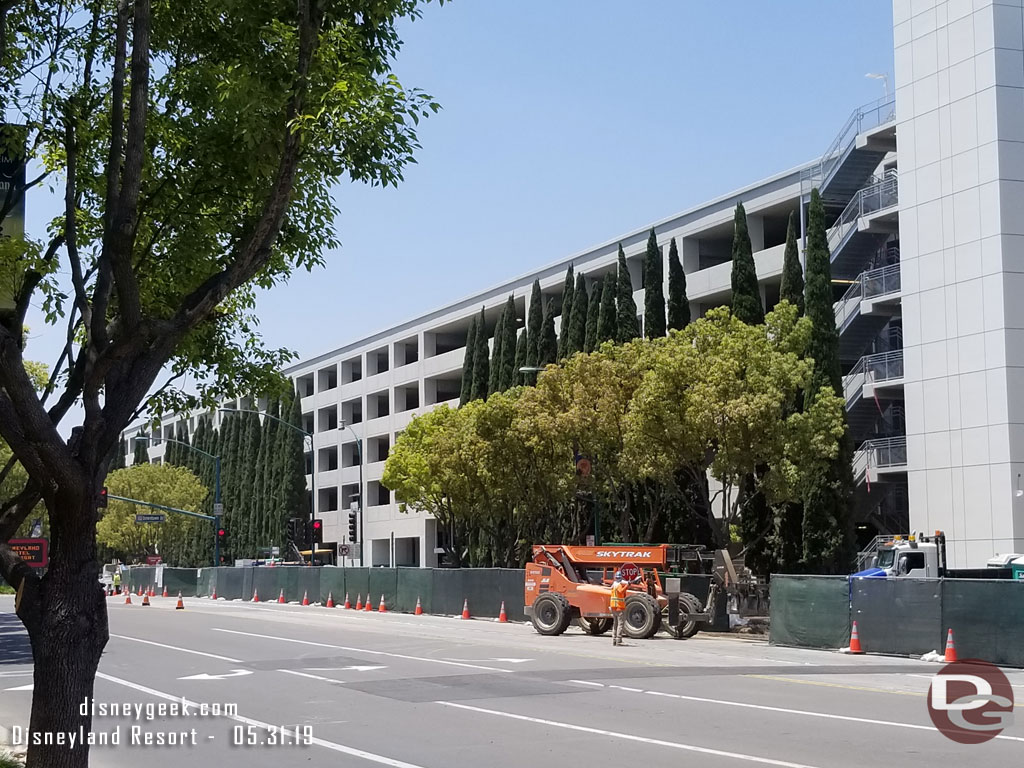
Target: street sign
<point x="150" y="518"/>
<point x="35" y="552"/>
<point x="218" y="509"/>
<point x="629" y="571"/>
<point x="154" y="559"/>
<point x="344" y="550"/>
<point x="275" y="551"/>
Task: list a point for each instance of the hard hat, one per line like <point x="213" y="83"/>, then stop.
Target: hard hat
<point x="618" y="575"/>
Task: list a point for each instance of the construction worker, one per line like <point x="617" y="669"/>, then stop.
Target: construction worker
<point x="117" y="581"/>
<point x="617" y="605"/>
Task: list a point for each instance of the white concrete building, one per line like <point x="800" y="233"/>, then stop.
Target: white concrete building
<point x="922" y="190"/>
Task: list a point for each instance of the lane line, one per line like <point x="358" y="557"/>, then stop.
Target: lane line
<point x="630" y="737"/>
<point x="177" y="648"/>
<point x="313" y="677"/>
<point x="363" y="650"/>
<point x="587" y="682"/>
<point x="351" y="751"/>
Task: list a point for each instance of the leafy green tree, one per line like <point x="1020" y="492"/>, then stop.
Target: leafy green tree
<point x="593" y="315"/>
<point x="746" y="295"/>
<point x="494" y="374"/>
<point x="576" y="332"/>
<point x="535" y="318"/>
<point x="568" y="291"/>
<point x="507" y="379"/>
<point x="792" y="288"/>
<point x="194" y="173"/>
<point x="519" y="377"/>
<point x="547" y="350"/>
<point x="481" y="361"/>
<point x="607" y="322"/>
<point x="627" y="327"/>
<point x="141" y="455"/>
<point x="826" y="523"/>
<point x="654" y="292"/>
<point x="678" y="302"/>
<point x="466" y="391"/>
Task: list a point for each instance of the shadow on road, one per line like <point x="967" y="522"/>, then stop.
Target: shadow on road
<point x="14" y="645"/>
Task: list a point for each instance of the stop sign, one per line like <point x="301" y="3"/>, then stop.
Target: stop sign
<point x="629" y="571"/>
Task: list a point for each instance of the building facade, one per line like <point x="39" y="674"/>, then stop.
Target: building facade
<point x="922" y="190"/>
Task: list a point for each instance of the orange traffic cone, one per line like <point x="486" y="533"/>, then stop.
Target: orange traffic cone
<point x="367" y="606"/>
<point x="145" y="599"/>
<point x="305" y="598"/>
<point x="950" y="646"/>
<point x="255" y="595"/>
<point x="181" y="604"/>
<point x="465" y="609"/>
<point x="419" y="608"/>
<point x="214" y="595"/>
<point x="855" y="640"/>
<point x="359" y="602"/>
<point x="330" y="600"/>
<point x="152" y="591"/>
<point x="280" y="598"/>
<point x="127" y="597"/>
<point x="348" y="603"/>
<point x="502" y="616"/>
<point x="165" y="591"/>
<point x="382" y="608"/>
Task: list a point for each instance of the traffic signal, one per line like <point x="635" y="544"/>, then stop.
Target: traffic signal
<point x="352" y="536"/>
<point x="222" y="535"/>
<point x="102" y="500"/>
<point x="318" y="531"/>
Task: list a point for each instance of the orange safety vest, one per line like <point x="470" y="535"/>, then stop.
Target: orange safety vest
<point x="618" y="598"/>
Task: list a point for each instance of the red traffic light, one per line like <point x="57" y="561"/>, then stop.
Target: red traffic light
<point x="317" y="525"/>
<point x="221" y="532"/>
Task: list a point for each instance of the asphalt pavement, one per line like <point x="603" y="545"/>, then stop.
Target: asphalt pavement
<point x="272" y="685"/>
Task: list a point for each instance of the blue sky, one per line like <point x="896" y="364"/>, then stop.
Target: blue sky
<point x="564" y="124"/>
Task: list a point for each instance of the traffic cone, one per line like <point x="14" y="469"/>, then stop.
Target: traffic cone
<point x="359" y="602"/>
<point x="465" y="609"/>
<point x="305" y="598"/>
<point x="348" y="603"/>
<point x="145" y="599"/>
<point x="152" y="591"/>
<point x="419" y="608"/>
<point x="502" y="616"/>
<point x="855" y="640"/>
<point x="382" y="608"/>
<point x="280" y="598"/>
<point x="330" y="600"/>
<point x="367" y="606"/>
<point x="950" y="646"/>
<point x="181" y="604"/>
<point x="165" y="591"/>
<point x="255" y="595"/>
<point x="214" y="595"/>
<point x="127" y="597"/>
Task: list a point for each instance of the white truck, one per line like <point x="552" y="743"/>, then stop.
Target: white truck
<point x="924" y="557"/>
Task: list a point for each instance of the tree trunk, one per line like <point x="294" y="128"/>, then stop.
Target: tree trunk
<point x="66" y="617"/>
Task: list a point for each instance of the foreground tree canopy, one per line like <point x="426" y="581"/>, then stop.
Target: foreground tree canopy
<point x="651" y="417"/>
<point x="194" y="146"/>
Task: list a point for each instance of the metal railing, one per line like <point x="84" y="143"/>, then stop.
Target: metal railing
<point x="871" y="369"/>
<point x="877" y="196"/>
<point x="867" y="285"/>
<point x="884" y="453"/>
<point x="864" y="118"/>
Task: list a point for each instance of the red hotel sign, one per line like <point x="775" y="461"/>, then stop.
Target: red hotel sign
<point x="35" y="552"/>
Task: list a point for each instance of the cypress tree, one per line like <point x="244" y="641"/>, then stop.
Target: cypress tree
<point x="627" y="327"/>
<point x="186" y="456"/>
<point x="568" y="290"/>
<point x="171" y="448"/>
<point x="294" y="495"/>
<point x="272" y="524"/>
<point x="746" y="296"/>
<point x="826" y="522"/>
<point x="607" y="322"/>
<point x="121" y="456"/>
<point x="654" y="292"/>
<point x="481" y="362"/>
<point x="141" y="454"/>
<point x="279" y="464"/>
<point x="494" y="374"/>
<point x="250" y="446"/>
<point x="792" y="288"/>
<point x="533" y="322"/>
<point x="547" y="350"/>
<point x="678" y="302"/>
<point x="466" y="392"/>
<point x="576" y="333"/>
<point x="508" y="347"/>
<point x="232" y="438"/>
<point x="593" y="313"/>
<point x="518" y="377"/>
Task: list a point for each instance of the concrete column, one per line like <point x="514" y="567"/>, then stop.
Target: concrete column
<point x="755" y="228"/>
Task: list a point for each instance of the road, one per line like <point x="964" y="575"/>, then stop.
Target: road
<point x="433" y="692"/>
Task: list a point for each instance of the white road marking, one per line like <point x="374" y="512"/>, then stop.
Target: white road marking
<point x="16" y="674"/>
<point x="587" y="682"/>
<point x="514" y="661"/>
<point x="176" y="648"/>
<point x="630" y="737"/>
<point x="624" y="688"/>
<point x="932" y="677"/>
<point x="314" y="677"/>
<point x="21" y="688"/>
<point x="363" y="650"/>
<point x="353" y="752"/>
<point x="225" y="676"/>
<point x="366" y="668"/>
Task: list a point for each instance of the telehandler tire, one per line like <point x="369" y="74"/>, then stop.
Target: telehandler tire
<point x="551" y="614"/>
<point x="687" y="627"/>
<point x="594" y="626"/>
<point x="642" y="616"/>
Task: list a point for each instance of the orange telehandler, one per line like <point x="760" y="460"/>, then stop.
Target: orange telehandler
<point x="564" y="583"/>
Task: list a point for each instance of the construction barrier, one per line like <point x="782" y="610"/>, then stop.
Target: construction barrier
<point x="810" y="611"/>
<point x="987" y="619"/>
<point x="332" y="582"/>
<point x="383" y="581"/>
<point x="901" y="616"/>
<point x="204" y="582"/>
<point x="184" y="580"/>
<point x="414" y="583"/>
<point x="448" y="592"/>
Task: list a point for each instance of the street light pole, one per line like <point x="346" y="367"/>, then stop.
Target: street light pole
<point x="312" y="474"/>
<point x="362" y="502"/>
<point x="218" y="508"/>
